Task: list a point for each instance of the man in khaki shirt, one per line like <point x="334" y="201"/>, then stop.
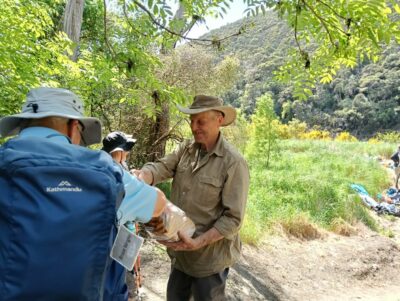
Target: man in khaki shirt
<point x="210" y="183"/>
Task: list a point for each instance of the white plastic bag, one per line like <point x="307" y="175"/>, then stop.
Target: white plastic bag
<point x="174" y="219"/>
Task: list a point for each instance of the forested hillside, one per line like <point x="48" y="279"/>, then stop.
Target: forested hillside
<point x="363" y="101"/>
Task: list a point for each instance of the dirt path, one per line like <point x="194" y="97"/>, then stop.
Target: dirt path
<point x="334" y="268"/>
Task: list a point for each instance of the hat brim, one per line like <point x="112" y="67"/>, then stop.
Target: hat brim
<point x="229" y="112"/>
<point x="11" y="125"/>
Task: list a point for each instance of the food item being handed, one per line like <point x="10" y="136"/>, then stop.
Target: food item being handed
<point x="156" y="225"/>
<point x="166" y="226"/>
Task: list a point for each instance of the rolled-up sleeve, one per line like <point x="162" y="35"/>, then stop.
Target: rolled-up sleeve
<point x="165" y="167"/>
<point x="139" y="201"/>
<point x="234" y="198"/>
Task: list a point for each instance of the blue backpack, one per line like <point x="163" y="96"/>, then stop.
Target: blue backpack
<point x="58" y="207"/>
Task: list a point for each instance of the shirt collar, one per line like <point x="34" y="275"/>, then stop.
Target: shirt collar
<point x="219" y="147"/>
<point x="44" y="132"/>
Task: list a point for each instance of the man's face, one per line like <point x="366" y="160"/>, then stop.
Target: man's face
<point x="205" y="126"/>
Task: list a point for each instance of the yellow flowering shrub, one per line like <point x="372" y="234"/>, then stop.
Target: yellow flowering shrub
<point x="345" y="137"/>
<point x="316" y="135"/>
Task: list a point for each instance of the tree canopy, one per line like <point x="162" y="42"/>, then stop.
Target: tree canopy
<point x="362" y="100"/>
<point x="332" y="34"/>
<point x="120" y="63"/>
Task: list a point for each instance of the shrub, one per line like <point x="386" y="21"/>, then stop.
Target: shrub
<point x="296" y="128"/>
<point x="341" y="227"/>
<point x="300" y="226"/>
<point x="282" y="129"/>
<point x="345" y="137"/>
<point x="316" y="135"/>
<point x="374" y="141"/>
<point x="390" y="137"/>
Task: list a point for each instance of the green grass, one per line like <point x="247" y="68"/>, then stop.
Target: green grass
<point x="312" y="179"/>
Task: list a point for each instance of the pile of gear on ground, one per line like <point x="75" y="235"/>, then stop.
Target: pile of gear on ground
<point x="388" y="202"/>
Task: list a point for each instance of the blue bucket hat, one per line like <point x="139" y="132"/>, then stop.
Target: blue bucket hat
<point x="52" y="102"/>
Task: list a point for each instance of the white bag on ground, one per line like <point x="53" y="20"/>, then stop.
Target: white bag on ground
<point x="174" y="219"/>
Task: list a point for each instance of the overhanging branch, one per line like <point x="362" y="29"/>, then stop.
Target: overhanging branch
<point x="161" y="26"/>
<point x="105" y="29"/>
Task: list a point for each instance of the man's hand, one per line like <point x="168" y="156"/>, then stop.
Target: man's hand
<point x="190" y="244"/>
<point x="185" y="243"/>
<point x="135" y="172"/>
<point x="143" y="175"/>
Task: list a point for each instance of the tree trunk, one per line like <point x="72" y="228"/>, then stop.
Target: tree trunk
<point x="72" y="23"/>
<point x="158" y="137"/>
<point x="159" y="128"/>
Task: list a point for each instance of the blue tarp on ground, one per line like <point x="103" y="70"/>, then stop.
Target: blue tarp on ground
<point x="380" y="207"/>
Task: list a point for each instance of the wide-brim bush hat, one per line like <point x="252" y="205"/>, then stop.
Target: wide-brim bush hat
<point x="118" y="141"/>
<point x="203" y="103"/>
<point x="52" y="102"/>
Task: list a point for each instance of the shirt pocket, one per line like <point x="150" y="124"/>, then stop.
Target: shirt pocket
<point x="210" y="189"/>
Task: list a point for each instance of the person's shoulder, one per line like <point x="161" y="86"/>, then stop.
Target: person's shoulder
<point x="232" y="151"/>
<point x="186" y="144"/>
<point x="91" y="157"/>
<point x="232" y="156"/>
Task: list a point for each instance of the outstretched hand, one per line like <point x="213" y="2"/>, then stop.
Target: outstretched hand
<point x="143" y="175"/>
<point x="185" y="243"/>
<point x="137" y="173"/>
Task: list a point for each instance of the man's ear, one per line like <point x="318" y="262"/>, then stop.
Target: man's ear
<point x="73" y="134"/>
<point x="70" y="127"/>
<point x="221" y="119"/>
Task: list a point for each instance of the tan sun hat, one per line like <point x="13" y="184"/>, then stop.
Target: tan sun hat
<point x="203" y="103"/>
<point x="46" y="102"/>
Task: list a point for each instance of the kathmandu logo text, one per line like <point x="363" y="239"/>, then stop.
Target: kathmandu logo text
<point x="64" y="186"/>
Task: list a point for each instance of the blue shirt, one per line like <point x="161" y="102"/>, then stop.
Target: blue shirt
<point x="139" y="201"/>
<point x="140" y="198"/>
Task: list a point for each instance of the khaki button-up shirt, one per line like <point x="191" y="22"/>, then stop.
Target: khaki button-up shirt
<point x="212" y="190"/>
